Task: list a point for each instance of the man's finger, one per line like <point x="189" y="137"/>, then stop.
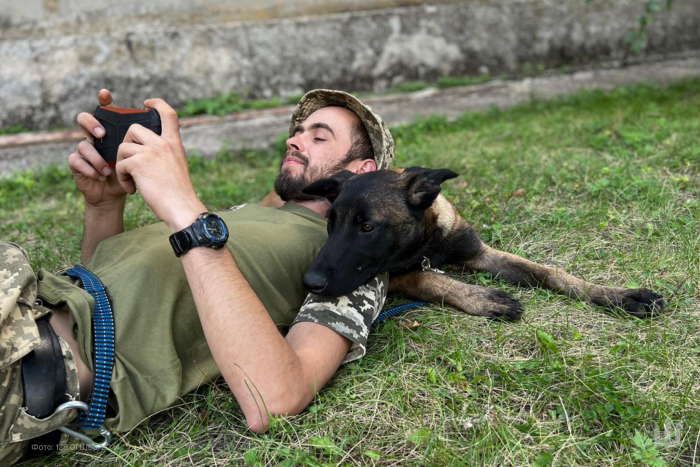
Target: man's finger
<point x="78" y="164"/>
<point x="89" y="153"/>
<point x="168" y="117"/>
<point x="90" y="126"/>
<point x="104" y="97"/>
<point x="140" y="134"/>
<point x="124" y="177"/>
<point x="88" y="123"/>
<point x="126" y="150"/>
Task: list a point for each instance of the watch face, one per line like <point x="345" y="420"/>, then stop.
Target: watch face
<point x="215" y="228"/>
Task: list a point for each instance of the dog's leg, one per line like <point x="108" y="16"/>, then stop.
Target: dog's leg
<point x="637" y="302"/>
<point x="472" y="299"/>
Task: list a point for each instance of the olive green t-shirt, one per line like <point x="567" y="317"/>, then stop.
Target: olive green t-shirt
<point x="160" y="349"/>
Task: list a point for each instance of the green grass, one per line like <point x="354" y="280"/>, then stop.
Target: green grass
<point x="13" y="129"/>
<point x="232" y="102"/>
<point x="605" y="185"/>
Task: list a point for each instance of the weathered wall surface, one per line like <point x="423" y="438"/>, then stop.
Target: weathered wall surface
<point x="52" y="13"/>
<point x="51" y="71"/>
<point x="208" y="135"/>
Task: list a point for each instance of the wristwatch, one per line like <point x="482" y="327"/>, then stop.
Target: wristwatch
<point x="208" y="230"/>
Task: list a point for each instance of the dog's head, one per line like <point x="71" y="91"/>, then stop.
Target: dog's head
<point x="375" y="222"/>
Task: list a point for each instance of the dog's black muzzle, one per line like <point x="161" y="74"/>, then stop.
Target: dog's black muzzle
<point x="315" y="282"/>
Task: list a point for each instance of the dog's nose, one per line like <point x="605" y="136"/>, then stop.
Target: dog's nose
<point x="315" y="282"/>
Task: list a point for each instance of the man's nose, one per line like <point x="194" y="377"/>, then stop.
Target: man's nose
<point x="295" y="143"/>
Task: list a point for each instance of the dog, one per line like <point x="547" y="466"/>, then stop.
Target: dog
<point x="398" y="221"/>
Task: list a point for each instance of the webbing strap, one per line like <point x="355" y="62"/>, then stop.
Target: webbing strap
<point x="389" y="312"/>
<point x="103" y="347"/>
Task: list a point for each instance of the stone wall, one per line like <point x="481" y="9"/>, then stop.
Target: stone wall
<point x="50" y="69"/>
<point x="56" y="13"/>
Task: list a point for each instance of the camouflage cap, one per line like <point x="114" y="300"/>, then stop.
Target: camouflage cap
<point x="379" y="135"/>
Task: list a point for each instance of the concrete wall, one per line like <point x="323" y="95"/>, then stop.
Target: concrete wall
<point x="51" y="13"/>
<point x="51" y="70"/>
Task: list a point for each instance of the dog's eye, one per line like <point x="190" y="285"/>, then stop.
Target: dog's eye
<point x="367" y="227"/>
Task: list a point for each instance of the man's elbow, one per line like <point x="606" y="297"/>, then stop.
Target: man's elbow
<point x="258" y="419"/>
<point x="257" y="424"/>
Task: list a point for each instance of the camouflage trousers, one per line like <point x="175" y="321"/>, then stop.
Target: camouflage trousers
<point x="19" y="335"/>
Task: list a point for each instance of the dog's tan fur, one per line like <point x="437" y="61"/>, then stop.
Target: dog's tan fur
<point x="472" y="299"/>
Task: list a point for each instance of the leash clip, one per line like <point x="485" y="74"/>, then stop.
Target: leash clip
<point x="90" y="442"/>
<point x="425" y="265"/>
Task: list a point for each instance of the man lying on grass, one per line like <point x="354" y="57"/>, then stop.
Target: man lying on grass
<point x="182" y="318"/>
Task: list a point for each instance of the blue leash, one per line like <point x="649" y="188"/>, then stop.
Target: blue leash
<point x="389" y="312"/>
<point x="103" y="337"/>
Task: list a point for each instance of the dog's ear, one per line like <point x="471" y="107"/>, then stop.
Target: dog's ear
<point x="329" y="188"/>
<point x="424" y="187"/>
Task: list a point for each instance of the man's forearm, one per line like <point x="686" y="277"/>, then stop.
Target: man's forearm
<point x="250" y="352"/>
<point x="100" y="224"/>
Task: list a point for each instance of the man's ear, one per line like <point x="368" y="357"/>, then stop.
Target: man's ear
<point x="367" y="165"/>
<point x="424" y="187"/>
<point x="329" y="188"/>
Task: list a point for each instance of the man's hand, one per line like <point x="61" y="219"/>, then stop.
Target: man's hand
<point x="95" y="179"/>
<point x="157" y="165"/>
<point x="104" y="196"/>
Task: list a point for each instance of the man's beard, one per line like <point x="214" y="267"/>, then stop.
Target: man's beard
<point x="288" y="185"/>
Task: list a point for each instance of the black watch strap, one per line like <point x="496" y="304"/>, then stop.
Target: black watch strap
<point x="198" y="235"/>
<point x="183" y="241"/>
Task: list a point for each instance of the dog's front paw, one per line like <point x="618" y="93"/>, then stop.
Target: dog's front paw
<point x="642" y="303"/>
<point x="501" y="305"/>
